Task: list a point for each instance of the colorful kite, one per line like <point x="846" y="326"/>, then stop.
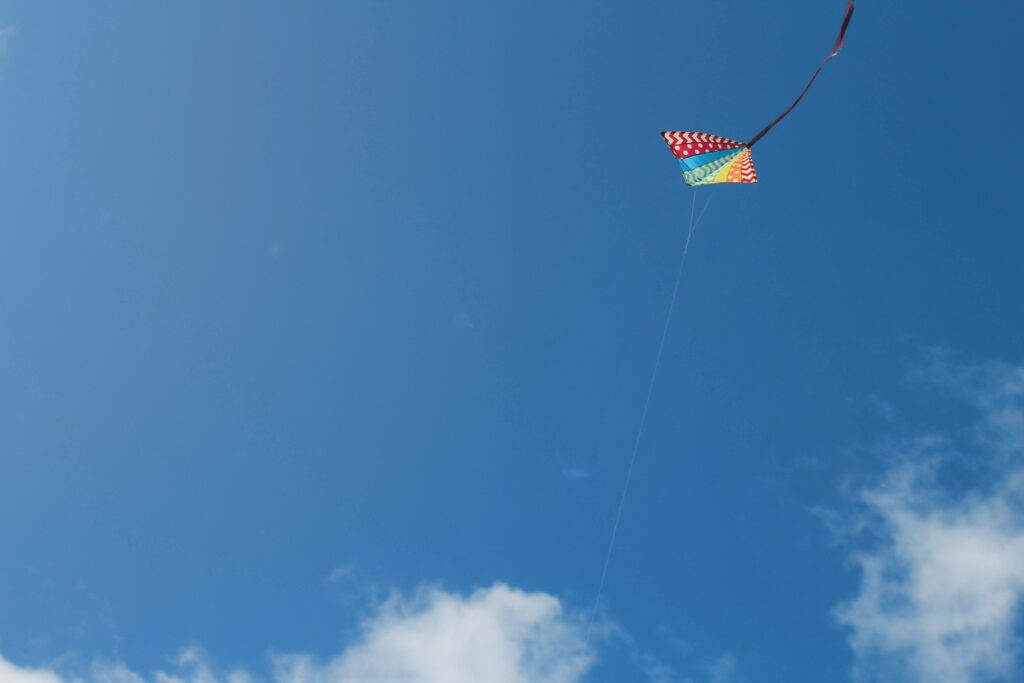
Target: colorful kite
<point x="707" y="159"/>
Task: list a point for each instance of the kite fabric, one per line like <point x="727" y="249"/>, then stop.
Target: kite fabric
<point x="707" y="159"/>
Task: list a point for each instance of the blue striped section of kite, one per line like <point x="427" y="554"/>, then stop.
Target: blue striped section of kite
<point x="690" y="163"/>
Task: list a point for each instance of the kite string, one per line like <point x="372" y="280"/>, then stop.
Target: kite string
<point x="643" y="414"/>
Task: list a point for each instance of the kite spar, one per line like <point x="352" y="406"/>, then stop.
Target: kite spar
<point x="707" y="159"/>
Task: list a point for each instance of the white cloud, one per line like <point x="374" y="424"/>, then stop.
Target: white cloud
<point x="943" y="583"/>
<point x="9" y="673"/>
<point x="940" y="596"/>
<point x="499" y="635"/>
<point x="495" y="635"/>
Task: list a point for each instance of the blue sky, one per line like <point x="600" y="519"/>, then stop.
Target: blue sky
<point x="306" y="305"/>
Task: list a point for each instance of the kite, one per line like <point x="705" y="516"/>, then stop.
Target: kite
<point x="707" y="159"/>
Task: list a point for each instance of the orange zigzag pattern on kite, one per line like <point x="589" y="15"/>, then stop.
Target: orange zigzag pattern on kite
<point x="743" y="170"/>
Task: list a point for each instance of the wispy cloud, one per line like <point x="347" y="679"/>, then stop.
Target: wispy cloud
<point x="943" y="569"/>
<point x="722" y="669"/>
<point x="498" y="635"/>
<point x="576" y="473"/>
<point x="995" y="389"/>
<point x="347" y="584"/>
<point x="341" y="574"/>
<point x="463" y="322"/>
<point x="7" y="33"/>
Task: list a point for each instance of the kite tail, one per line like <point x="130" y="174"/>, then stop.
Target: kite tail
<point x="836" y="49"/>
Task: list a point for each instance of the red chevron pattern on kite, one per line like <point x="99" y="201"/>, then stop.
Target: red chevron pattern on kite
<point x="675" y="137"/>
<point x="685" y="144"/>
